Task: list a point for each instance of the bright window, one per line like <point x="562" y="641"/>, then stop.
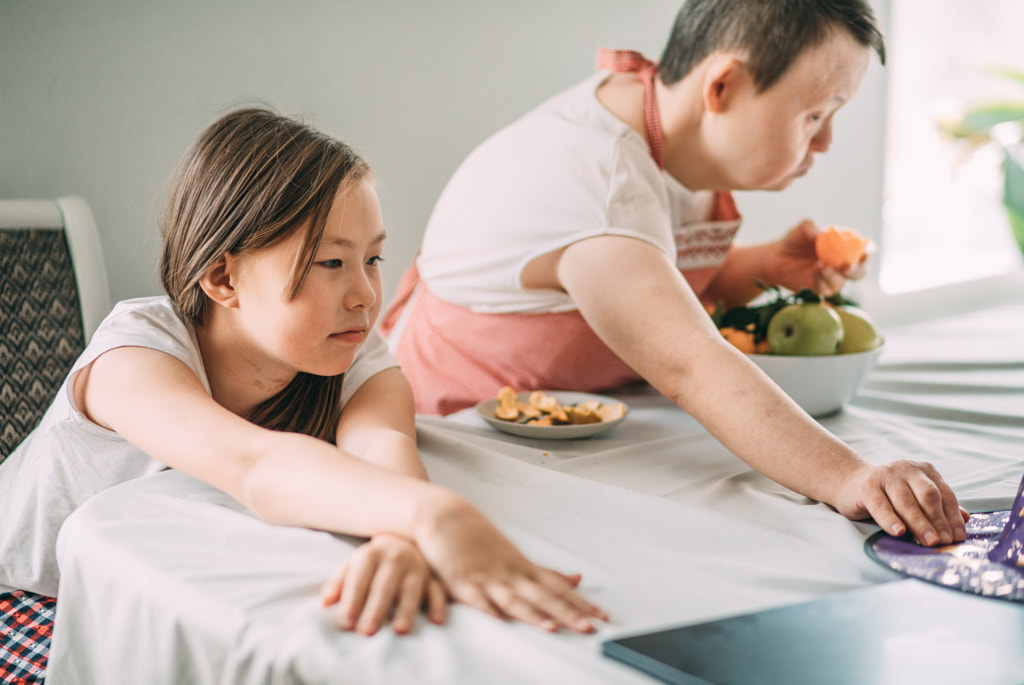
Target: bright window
<point x="943" y="220"/>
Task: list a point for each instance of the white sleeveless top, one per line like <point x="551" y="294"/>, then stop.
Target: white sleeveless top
<point x="67" y="459"/>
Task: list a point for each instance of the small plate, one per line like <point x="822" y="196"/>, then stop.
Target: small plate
<point x="567" y="432"/>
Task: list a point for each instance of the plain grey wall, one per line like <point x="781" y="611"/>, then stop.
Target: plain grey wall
<point x="100" y="99"/>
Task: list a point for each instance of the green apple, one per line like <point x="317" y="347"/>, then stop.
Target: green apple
<point x="805" y="329"/>
<point x="859" y="332"/>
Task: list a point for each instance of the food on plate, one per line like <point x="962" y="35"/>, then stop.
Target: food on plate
<point x="805" y="329"/>
<point x="840" y="248"/>
<point x="801" y="323"/>
<point x="506" y="408"/>
<point x="541" y="409"/>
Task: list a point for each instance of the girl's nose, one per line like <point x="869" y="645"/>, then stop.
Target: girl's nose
<point x="360" y="292"/>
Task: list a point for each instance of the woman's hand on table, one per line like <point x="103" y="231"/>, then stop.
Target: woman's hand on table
<point x="387" y="572"/>
<point x="480" y="567"/>
<point x="902" y="496"/>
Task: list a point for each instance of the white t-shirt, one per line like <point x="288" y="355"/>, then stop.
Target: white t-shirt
<point x="67" y="459"/>
<point x="567" y="171"/>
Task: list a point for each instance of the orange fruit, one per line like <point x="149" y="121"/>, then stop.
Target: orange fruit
<point x="840" y="248"/>
<point x="741" y="340"/>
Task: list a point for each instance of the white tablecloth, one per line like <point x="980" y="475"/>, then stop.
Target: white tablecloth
<point x="166" y="580"/>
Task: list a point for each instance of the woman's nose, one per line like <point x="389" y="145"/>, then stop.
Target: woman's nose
<point x="822" y="140"/>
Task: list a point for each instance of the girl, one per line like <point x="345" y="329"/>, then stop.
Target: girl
<point x="261" y="374"/>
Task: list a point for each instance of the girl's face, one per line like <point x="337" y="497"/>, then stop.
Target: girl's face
<point x="321" y="328"/>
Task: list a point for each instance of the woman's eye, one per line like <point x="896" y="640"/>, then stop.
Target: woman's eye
<point x="331" y="263"/>
<point x="375" y="261"/>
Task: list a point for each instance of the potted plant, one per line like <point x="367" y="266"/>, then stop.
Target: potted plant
<point x="1001" y="123"/>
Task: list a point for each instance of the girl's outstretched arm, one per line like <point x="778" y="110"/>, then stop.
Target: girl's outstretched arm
<point x="378" y="424"/>
<point x="155" y="401"/>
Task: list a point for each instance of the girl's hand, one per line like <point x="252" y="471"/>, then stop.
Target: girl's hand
<point x="387" y="572"/>
<point x="793" y="264"/>
<point x="482" y="568"/>
<point x="906" y="495"/>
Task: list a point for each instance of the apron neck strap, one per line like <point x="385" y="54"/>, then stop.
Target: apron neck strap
<point x="628" y="61"/>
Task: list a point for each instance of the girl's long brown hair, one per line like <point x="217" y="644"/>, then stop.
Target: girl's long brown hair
<point x="250" y="180"/>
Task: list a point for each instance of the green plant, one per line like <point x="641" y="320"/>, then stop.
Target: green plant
<point x="977" y="126"/>
<point x="977" y="123"/>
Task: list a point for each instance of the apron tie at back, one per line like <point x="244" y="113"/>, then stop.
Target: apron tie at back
<point x="631" y="62"/>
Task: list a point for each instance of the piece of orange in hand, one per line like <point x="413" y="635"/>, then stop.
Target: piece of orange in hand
<point x="840" y="248"/>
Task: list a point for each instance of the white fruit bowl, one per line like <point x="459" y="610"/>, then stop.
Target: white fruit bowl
<point x="820" y="385"/>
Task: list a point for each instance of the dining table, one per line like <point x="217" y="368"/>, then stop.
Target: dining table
<point x="165" y="579"/>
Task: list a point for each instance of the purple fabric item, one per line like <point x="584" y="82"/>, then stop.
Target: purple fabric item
<point x="1010" y="548"/>
<point x="990" y="562"/>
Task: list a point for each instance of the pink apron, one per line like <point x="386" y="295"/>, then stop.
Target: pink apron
<point x="455" y="357"/>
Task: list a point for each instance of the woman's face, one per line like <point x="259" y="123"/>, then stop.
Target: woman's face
<point x="321" y="328"/>
<point x="767" y="140"/>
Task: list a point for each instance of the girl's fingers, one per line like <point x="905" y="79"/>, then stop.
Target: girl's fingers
<point x="380" y="597"/>
<point x="571" y="578"/>
<point x="471" y="594"/>
<point x="553" y="581"/>
<point x="563" y="604"/>
<point x="358" y="576"/>
<point x="515" y="606"/>
<point x="437" y="601"/>
<point x="330" y="592"/>
<point x="410" y="598"/>
<point x="546" y="601"/>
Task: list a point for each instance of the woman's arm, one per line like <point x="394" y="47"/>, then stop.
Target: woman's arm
<point x="640" y="305"/>
<point x="378" y="424"/>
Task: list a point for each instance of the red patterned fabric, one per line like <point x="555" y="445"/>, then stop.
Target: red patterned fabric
<point x="707" y="243"/>
<point x="26" y="627"/>
<point x="454" y="357"/>
<point x="630" y="62"/>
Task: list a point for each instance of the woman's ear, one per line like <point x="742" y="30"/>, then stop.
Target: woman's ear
<point x="219" y="281"/>
<point x="725" y="75"/>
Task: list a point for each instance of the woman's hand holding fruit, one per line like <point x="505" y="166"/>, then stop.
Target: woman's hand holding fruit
<point x="796" y="261"/>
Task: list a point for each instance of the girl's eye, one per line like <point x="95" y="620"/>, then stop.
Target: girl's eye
<point x="331" y="263"/>
<point x="815" y="117"/>
<point x="375" y="261"/>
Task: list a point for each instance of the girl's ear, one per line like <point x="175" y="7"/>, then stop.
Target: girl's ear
<point x="219" y="281"/>
<point x="725" y="76"/>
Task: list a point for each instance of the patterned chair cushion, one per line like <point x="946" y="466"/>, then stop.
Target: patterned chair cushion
<point x="40" y="327"/>
<point x="26" y="628"/>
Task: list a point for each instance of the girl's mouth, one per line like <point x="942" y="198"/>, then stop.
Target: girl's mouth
<point x="352" y="335"/>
